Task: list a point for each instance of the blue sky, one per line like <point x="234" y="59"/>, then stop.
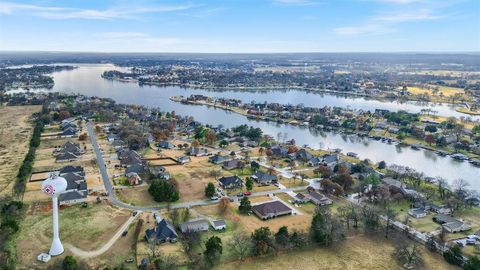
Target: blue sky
<point x="240" y="25"/>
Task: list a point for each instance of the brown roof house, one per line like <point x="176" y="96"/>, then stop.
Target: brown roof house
<point x="271" y="209"/>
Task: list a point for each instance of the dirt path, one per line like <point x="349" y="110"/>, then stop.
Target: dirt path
<point x="90" y="254"/>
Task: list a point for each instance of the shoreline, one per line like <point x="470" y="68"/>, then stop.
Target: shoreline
<point x="285" y="88"/>
<point x="239" y="111"/>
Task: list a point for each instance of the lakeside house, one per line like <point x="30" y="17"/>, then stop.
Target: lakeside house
<point x="417" y="212"/>
<point x="451" y="224"/>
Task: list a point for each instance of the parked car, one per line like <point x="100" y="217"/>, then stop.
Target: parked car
<point x="214" y="198"/>
<point x="240" y="195"/>
<point x="247" y="193"/>
<point x="124" y="233"/>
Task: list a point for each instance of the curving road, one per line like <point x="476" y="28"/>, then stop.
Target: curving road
<point x="115" y="201"/>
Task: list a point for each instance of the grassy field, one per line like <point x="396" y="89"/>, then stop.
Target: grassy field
<point x="358" y="252"/>
<point x="442" y="90"/>
<point x="86" y="228"/>
<point x="15" y="132"/>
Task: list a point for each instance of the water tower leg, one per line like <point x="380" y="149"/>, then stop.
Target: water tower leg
<point x="57" y="247"/>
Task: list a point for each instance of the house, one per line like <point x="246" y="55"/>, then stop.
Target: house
<point x="233" y="164"/>
<point x="118" y="144"/>
<point x="69" y="147"/>
<point x="219" y="224"/>
<point x="264" y="178"/>
<point x="230" y="182"/>
<point x="166" y="145"/>
<point x="279" y="151"/>
<point x="271" y="209"/>
<point x="159" y="172"/>
<point x="197" y="225"/>
<point x="72" y="169"/>
<point x="451" y="224"/>
<point x="72" y="197"/>
<point x="133" y="179"/>
<point x="439" y="209"/>
<point x="314" y="162"/>
<point x="66" y="157"/>
<point x="417" y="212"/>
<point x="112" y="137"/>
<point x="183" y="159"/>
<point x="218" y="159"/>
<point x="132" y="158"/>
<point x="68" y="133"/>
<point x="135" y="168"/>
<point x="162" y="233"/>
<point x="303" y="155"/>
<point x="197" y="151"/>
<point x="319" y="199"/>
<point x="301" y="198"/>
<point x="330" y="160"/>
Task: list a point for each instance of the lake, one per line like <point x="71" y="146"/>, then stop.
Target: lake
<point x="87" y="80"/>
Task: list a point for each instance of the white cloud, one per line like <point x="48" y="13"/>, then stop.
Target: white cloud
<point x="418" y="15"/>
<point x="205" y="13"/>
<point x="386" y="23"/>
<point x="55" y="12"/>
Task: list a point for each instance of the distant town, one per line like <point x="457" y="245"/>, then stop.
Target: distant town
<point x="155" y="188"/>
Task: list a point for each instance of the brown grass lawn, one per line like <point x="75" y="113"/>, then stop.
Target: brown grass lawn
<point x="15" y="132"/>
<point x="138" y="196"/>
<point x="358" y="252"/>
<point x="86" y="228"/>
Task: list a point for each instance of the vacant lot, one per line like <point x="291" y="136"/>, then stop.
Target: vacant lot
<point x="358" y="252"/>
<point x="442" y="90"/>
<point x="15" y="132"/>
<point x="86" y="228"/>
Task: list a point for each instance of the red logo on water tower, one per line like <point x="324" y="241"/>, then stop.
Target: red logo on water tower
<point x="49" y="189"/>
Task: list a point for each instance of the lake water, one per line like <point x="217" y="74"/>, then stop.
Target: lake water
<point x="87" y="80"/>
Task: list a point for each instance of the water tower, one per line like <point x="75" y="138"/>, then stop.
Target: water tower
<point x="53" y="186"/>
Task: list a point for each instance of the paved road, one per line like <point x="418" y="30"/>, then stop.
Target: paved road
<point x="113" y="199"/>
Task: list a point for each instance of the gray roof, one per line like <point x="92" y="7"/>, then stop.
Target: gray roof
<point x="73" y="195"/>
<point x="194" y="225"/>
<point x="219" y="222"/>
<point x="72" y="169"/>
<point x="163" y="231"/>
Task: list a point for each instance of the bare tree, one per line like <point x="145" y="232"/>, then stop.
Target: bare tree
<point x="408" y="252"/>
<point x="241" y="245"/>
<point x="442" y="186"/>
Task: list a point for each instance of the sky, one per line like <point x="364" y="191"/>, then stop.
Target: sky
<point x="240" y="26"/>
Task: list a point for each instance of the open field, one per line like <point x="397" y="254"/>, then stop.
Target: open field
<point x="138" y="196"/>
<point x="15" y="132"/>
<point x="358" y="252"/>
<point x="86" y="228"/>
<point x="442" y="90"/>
